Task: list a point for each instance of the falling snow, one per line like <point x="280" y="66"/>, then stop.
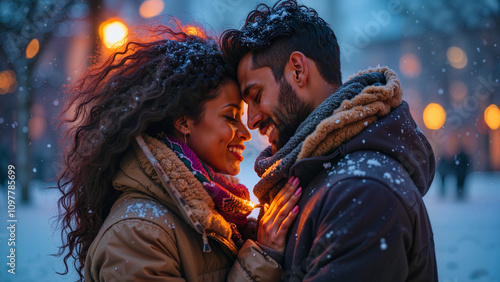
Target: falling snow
<point x="383" y="244"/>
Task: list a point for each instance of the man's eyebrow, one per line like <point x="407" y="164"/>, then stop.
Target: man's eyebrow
<point x="245" y="94"/>
<point x="232" y="105"/>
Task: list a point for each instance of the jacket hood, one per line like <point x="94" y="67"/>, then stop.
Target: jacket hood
<point x="396" y="135"/>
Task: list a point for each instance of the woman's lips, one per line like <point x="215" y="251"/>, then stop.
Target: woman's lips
<point x="237" y="151"/>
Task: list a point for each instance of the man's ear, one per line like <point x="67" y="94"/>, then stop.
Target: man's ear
<point x="298" y="68"/>
<point x="182" y="125"/>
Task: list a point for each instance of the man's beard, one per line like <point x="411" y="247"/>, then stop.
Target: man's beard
<point x="290" y="113"/>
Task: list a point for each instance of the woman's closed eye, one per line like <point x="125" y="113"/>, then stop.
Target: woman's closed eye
<point x="231" y="118"/>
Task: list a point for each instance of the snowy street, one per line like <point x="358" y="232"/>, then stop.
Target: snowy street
<point x="467" y="233"/>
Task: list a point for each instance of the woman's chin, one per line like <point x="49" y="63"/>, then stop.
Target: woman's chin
<point x="233" y="172"/>
<point x="233" y="169"/>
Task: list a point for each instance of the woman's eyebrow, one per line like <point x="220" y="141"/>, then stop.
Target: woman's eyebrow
<point x="232" y="105"/>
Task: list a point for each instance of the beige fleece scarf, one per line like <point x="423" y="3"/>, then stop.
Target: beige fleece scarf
<point x="363" y="99"/>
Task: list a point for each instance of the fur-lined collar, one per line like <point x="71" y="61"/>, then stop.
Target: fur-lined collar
<point x="147" y="181"/>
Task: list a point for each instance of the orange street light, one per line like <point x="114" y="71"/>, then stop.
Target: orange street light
<point x="32" y="48"/>
<point x="492" y="116"/>
<point x="434" y="116"/>
<point x="456" y="57"/>
<point x="151" y="8"/>
<point x="113" y="33"/>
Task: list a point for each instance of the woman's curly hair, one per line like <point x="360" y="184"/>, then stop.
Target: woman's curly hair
<point x="142" y="88"/>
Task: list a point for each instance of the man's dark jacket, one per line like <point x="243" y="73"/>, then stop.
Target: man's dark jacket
<point x="362" y="217"/>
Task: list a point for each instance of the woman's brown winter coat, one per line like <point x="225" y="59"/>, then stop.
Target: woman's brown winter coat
<point x="146" y="237"/>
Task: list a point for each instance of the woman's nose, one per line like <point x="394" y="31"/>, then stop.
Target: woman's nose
<point x="243" y="132"/>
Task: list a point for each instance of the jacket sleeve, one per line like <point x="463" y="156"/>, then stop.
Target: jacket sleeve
<point x="363" y="232"/>
<point x="253" y="264"/>
<point x="134" y="250"/>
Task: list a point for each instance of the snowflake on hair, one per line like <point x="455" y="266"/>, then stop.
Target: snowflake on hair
<point x="266" y="23"/>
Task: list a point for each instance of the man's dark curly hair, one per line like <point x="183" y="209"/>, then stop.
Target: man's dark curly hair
<point x="273" y="34"/>
<point x="142" y="88"/>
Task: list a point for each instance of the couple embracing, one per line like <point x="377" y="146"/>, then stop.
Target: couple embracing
<point x="155" y="138"/>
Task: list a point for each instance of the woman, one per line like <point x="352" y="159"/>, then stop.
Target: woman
<point x="151" y="134"/>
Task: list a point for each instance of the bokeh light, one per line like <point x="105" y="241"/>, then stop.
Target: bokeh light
<point x="8" y="82"/>
<point x="113" y="33"/>
<point x="410" y="65"/>
<point x="32" y="48"/>
<point x="151" y="8"/>
<point x="37" y="123"/>
<point x="458" y="90"/>
<point x="457" y="57"/>
<point x="492" y="116"/>
<point x="434" y="116"/>
<point x="37" y="126"/>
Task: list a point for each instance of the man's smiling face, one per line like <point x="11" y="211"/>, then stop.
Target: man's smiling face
<point x="273" y="107"/>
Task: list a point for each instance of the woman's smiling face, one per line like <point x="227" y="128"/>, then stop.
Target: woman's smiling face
<point x="217" y="138"/>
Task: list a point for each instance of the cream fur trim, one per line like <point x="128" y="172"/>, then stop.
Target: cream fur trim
<point x="192" y="191"/>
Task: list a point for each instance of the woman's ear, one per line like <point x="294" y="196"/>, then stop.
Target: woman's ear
<point x="299" y="68"/>
<point x="182" y="125"/>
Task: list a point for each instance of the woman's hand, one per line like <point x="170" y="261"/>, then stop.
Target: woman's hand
<point x="278" y="217"/>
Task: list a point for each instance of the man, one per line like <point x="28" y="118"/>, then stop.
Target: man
<point x="362" y="162"/>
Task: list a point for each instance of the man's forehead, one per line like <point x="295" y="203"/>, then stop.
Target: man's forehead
<point x="246" y="63"/>
<point x="244" y="66"/>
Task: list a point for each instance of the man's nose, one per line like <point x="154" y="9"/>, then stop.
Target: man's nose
<point x="254" y="118"/>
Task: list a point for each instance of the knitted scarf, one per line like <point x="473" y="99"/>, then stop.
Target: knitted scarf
<point x="232" y="201"/>
<point x="360" y="101"/>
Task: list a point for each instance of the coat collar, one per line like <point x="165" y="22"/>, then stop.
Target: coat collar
<point x="137" y="174"/>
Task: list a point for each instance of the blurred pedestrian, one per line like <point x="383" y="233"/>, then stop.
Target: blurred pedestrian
<point x="445" y="168"/>
<point x="461" y="168"/>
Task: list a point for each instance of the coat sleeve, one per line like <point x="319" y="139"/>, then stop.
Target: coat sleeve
<point x="253" y="264"/>
<point x="363" y="232"/>
<point x="134" y="250"/>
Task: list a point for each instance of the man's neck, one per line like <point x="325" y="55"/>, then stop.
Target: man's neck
<point x="323" y="92"/>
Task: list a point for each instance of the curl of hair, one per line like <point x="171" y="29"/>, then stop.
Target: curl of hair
<point x="142" y="88"/>
<point x="273" y="34"/>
